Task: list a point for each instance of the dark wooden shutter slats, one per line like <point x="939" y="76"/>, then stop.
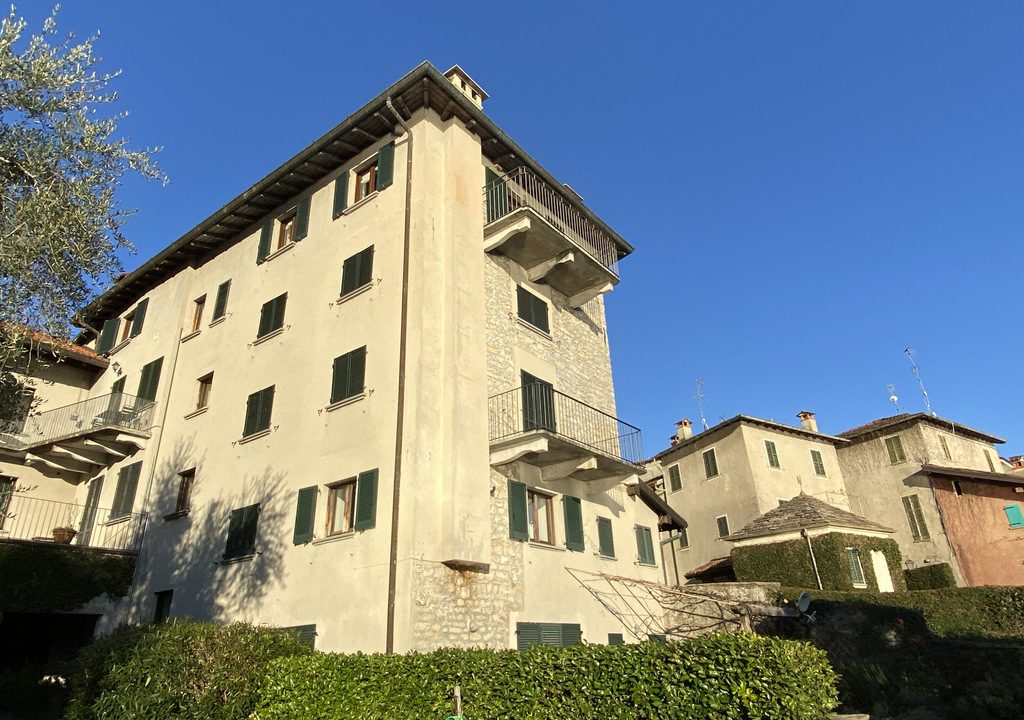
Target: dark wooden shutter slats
<point x="258" y="410"/>
<point x="340" y="194"/>
<point x="140" y="318"/>
<point x="366" y="500"/>
<point x="266" y="407"/>
<point x="124" y="494"/>
<point x="527" y="634"/>
<point x="301" y="219"/>
<point x="517" y="520"/>
<point x="349" y="376"/>
<point x="242" y="532"/>
<point x="573" y="522"/>
<point x="305" y="513"/>
<point x="386" y="166"/>
<point x="357" y="271"/>
<point x="606" y="540"/>
<point x="220" y="307"/>
<point x="644" y="545"/>
<point x="571" y="634"/>
<point x="265" y="236"/>
<point x="108" y="335"/>
<point x="150" y="380"/>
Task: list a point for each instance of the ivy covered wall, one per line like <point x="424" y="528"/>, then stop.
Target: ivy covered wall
<point x="43" y="577"/>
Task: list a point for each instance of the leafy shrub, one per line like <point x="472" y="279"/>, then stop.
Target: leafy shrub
<point x="25" y="695"/>
<point x="55" y="578"/>
<point x="177" y="671"/>
<point x="930" y="577"/>
<point x="719" y="676"/>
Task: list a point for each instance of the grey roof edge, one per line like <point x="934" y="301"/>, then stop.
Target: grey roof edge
<point x="741" y="418"/>
<point x="914" y="417"/>
<point x="424" y="71"/>
<point x="969" y="474"/>
<point x="740" y="535"/>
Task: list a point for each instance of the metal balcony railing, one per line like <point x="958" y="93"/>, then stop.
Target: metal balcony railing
<point x="23" y="517"/>
<point x="541" y="407"/>
<point x="521" y="188"/>
<point x="116" y="410"/>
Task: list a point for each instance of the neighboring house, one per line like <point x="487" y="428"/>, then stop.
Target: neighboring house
<point x="806" y="542"/>
<point x="381" y="395"/>
<point x="723" y="478"/>
<point x="937" y="482"/>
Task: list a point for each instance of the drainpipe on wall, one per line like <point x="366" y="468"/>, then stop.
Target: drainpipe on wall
<point x="389" y="646"/>
<point x="814" y="562"/>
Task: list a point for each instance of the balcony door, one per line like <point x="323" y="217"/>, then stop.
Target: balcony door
<point x="92" y="502"/>
<point x="538" y="403"/>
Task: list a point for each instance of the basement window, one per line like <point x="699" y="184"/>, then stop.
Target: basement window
<point x="856" y="569"/>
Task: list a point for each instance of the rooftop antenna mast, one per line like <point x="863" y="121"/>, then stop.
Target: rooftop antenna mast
<point x="917" y="373"/>
<point x="894" y="399"/>
<point x="700" y="402"/>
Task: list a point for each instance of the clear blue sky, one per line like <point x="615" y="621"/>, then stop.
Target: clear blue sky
<point x="811" y="186"/>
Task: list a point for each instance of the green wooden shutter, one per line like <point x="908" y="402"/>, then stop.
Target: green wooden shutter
<point x="339" y="378"/>
<point x="265" y="236"/>
<point x="242" y="532"/>
<point x="573" y="522"/>
<point x="357" y="371"/>
<point x="357" y="271"/>
<point x="220" y="307"/>
<point x="266" y="318"/>
<point x="644" y="545"/>
<point x="517" y="520"/>
<point x="527" y="634"/>
<point x="366" y="266"/>
<point x="386" y="166"/>
<point x="140" y="318"/>
<point x="305" y="512"/>
<point x="108" y="336"/>
<point x="257" y="411"/>
<point x="551" y="634"/>
<point x="366" y="500"/>
<point x="124" y="494"/>
<point x="279" y="303"/>
<point x="710" y="463"/>
<point x="1015" y="515"/>
<point x="340" y="194"/>
<point x="523" y="303"/>
<point x="675" y="480"/>
<point x="605" y="537"/>
<point x="571" y="634"/>
<point x="616" y="639"/>
<point x="150" y="380"/>
<point x="305" y="634"/>
<point x="301" y="219"/>
<point x="266" y="407"/>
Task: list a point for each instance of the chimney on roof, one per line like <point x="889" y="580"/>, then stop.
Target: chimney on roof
<point x="1017" y="461"/>
<point x="807" y="421"/>
<point x="466" y="85"/>
<point x="684" y="430"/>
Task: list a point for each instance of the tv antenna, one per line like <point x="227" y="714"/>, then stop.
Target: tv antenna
<point x="700" y="402"/>
<point x="917" y="374"/>
<point x="894" y="399"/>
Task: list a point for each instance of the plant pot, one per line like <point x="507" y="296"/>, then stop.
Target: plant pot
<point x="64" y="536"/>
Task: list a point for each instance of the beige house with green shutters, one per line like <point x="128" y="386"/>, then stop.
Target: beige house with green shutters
<point x="379" y="395"/>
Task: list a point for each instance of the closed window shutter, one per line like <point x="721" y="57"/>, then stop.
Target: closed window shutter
<point x="258" y="411"/>
<point x="615" y="639"/>
<point x="573" y="510"/>
<point x="305" y="510"/>
<point x="350" y="275"/>
<point x="571" y="634"/>
<point x="301" y="219"/>
<point x="710" y="464"/>
<point x="723" y="526"/>
<point x="349" y="375"/>
<point x="305" y="634"/>
<point x="386" y="166"/>
<point x="220" y="307"/>
<point x="366" y="266"/>
<point x="279" y="303"/>
<point x="242" y="532"/>
<point x="124" y="494"/>
<point x="895" y="447"/>
<point x="675" y="480"/>
<point x="265" y="235"/>
<point x="339" y="379"/>
<point x="517" y="520"/>
<point x="108" y="336"/>
<point x="340" y="194"/>
<point x="1015" y="515"/>
<point x="366" y="500"/>
<point x="915" y="518"/>
<point x="150" y="380"/>
<point x="773" y="455"/>
<point x="140" y="317"/>
<point x="357" y="371"/>
<point x="644" y="545"/>
<point x="605" y="538"/>
<point x="527" y="634"/>
<point x="266" y="318"/>
<point x="819" y="464"/>
<point x="551" y="634"/>
<point x="684" y="538"/>
<point x="266" y="407"/>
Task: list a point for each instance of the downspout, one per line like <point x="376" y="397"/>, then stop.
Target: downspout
<point x="389" y="646"/>
<point x="810" y="549"/>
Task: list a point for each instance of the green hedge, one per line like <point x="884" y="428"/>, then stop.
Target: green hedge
<point x="177" y="671"/>
<point x="46" y="577"/>
<point x="789" y="562"/>
<point x="721" y="676"/>
<point x="930" y="577"/>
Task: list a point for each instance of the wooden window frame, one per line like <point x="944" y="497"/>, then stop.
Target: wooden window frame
<point x="535" y="318"/>
<point x="818" y="461"/>
<point x="535" y="498"/>
<point x="718" y="525"/>
<point x="348" y="486"/>
<point x="199" y="305"/>
<point x="369" y="172"/>
<point x="286" y="229"/>
<point x="773" y="455"/>
<point x="126" y="327"/>
<point x="205" y="388"/>
<point x="186" y="482"/>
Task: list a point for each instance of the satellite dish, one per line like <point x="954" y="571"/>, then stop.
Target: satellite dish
<point x="803" y="602"/>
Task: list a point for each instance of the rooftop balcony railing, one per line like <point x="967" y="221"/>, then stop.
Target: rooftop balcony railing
<point x="23" y="517"/>
<point x="113" y="411"/>
<point x="539" y="407"/>
<point x="520" y="188"/>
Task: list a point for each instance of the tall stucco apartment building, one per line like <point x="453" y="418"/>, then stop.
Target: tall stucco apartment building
<point x="371" y="397"/>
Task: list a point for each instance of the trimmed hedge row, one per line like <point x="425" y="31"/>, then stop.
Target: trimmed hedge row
<point x="40" y="577"/>
<point x="720" y="676"/>
<point x="930" y="577"/>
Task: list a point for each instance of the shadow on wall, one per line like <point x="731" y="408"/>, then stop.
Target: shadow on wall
<point x="184" y="549"/>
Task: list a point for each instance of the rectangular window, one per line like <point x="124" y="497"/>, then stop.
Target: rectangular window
<point x="220" y="305"/>
<point x="856" y="571"/>
<point x="272" y="316"/>
<point x="150" y="380"/>
<point x="538" y="403"/>
<point x="341" y="507"/>
<point x="644" y="545"/>
<point x="675" y="480"/>
<point x="6" y="493"/>
<point x="108" y="335"/>
<point x="605" y="537"/>
<point x="186" y="480"/>
<point x="819" y="463"/>
<point x="991" y="464"/>
<point x="258" y="410"/>
<point x="540" y="518"/>
<point x="554" y="634"/>
<point x="241" y="541"/>
<point x="945" y="448"/>
<point x="366" y="181"/>
<point x="572" y="509"/>
<point x="124" y="495"/>
<point x="357" y="271"/>
<point x="126" y="327"/>
<point x="958" y="488"/>
<point x="684" y="538"/>
<point x="915" y="518"/>
<point x="305" y="634"/>
<point x="723" y="525"/>
<point x="197" y="313"/>
<point x="349" y="375"/>
<point x="205" y="386"/>
<point x="710" y="463"/>
<point x="286" y="229"/>
<point x="773" y="455"/>
<point x="138" y="317"/>
<point x="532" y="309"/>
<point x="616" y="639"/>
<point x="163" y="606"/>
<point x="1015" y="515"/>
<point x="894" y="446"/>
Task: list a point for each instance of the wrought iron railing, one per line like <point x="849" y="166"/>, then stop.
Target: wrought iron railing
<point x="541" y="407"/>
<point x="521" y="188"/>
<point x="116" y="410"/>
<point x="23" y="517"/>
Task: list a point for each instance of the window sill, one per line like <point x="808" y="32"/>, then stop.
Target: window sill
<point x="359" y="204"/>
<point x="239" y="559"/>
<point x="191" y="335"/>
<point x="119" y="346"/>
<point x="534" y="328"/>
<point x="175" y="515"/>
<point x="544" y="546"/>
<point x="196" y="413"/>
<point x="218" y="321"/>
<point x="860" y="586"/>
<point x="268" y="336"/>
<point x="643" y="564"/>
<point x="351" y="294"/>
<point x="279" y="252"/>
<point x="118" y="520"/>
<point x="254" y="436"/>
<point x="606" y="557"/>
<point x="347" y="401"/>
<point x="347" y="535"/>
